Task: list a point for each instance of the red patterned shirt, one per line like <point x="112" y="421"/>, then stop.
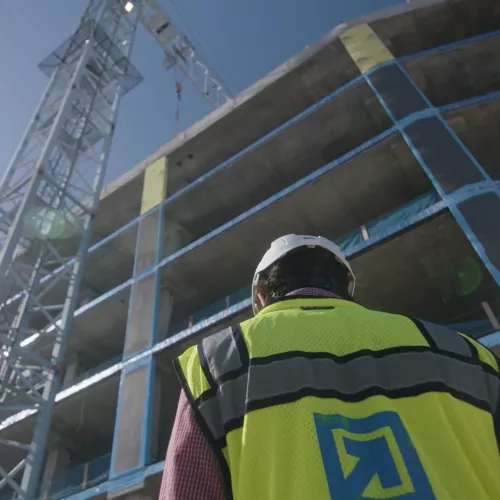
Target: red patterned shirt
<point x="192" y="471"/>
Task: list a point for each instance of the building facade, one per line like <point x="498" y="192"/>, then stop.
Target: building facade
<point x="382" y="137"/>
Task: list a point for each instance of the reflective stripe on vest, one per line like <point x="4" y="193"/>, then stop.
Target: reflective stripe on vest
<point x="450" y="365"/>
<point x="284" y="380"/>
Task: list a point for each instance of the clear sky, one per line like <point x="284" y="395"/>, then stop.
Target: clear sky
<point x="241" y="39"/>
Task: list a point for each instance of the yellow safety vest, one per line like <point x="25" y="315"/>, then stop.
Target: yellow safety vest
<point x="321" y="398"/>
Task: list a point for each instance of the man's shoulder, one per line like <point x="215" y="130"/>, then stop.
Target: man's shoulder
<point x="479" y="351"/>
<point x="211" y="342"/>
<point x="486" y="356"/>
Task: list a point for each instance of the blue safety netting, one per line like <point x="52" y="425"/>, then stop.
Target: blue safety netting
<point x="475" y="329"/>
<point x="211" y="310"/>
<point x="80" y="478"/>
<point x="388" y="223"/>
<point x="98" y="470"/>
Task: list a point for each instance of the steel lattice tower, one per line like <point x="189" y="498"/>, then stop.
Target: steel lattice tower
<point x="48" y="198"/>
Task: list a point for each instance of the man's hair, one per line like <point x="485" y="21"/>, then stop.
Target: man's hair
<point x="304" y="268"/>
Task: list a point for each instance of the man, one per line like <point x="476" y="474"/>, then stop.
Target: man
<point x="319" y="398"/>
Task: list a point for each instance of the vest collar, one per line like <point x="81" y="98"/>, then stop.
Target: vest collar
<point x="295" y="302"/>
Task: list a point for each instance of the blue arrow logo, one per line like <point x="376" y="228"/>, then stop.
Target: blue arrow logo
<point x="370" y="458"/>
<point x="374" y="459"/>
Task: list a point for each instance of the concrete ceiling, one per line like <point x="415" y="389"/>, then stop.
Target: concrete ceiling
<point x="112" y="263"/>
<point x="479" y="128"/>
<point x="458" y="74"/>
<point x="86" y="420"/>
<point x="431" y="272"/>
<point x="429" y="24"/>
<point x="347" y="121"/>
<point x="76" y="423"/>
<point x="424" y="272"/>
<point x="98" y="333"/>
<point x="364" y="188"/>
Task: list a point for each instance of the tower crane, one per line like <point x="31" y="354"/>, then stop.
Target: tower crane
<point x="49" y="196"/>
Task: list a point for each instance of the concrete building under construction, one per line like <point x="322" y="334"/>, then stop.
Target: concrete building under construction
<point x="383" y="137"/>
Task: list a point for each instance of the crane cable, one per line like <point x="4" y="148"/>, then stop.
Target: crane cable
<point x="203" y="47"/>
<point x="178" y="91"/>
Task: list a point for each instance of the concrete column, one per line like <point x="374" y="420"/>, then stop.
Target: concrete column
<point x="491" y="316"/>
<point x="175" y="237"/>
<point x="71" y="372"/>
<point x="87" y="295"/>
<point x="454" y="172"/>
<point x="57" y="460"/>
<point x="149" y="315"/>
<point x="164" y="313"/>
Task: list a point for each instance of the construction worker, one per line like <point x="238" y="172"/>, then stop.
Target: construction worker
<point x="317" y="397"/>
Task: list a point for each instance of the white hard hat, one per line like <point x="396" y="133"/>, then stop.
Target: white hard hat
<point x="280" y="247"/>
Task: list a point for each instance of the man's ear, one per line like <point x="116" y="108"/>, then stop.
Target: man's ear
<point x="262" y="300"/>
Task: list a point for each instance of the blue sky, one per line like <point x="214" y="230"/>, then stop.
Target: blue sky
<point x="242" y="40"/>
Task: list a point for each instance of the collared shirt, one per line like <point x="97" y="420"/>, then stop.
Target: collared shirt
<point x="192" y="471"/>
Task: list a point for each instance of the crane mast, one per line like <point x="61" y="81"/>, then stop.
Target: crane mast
<point x="49" y="196"/>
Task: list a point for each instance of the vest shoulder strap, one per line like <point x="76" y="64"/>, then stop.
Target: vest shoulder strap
<point x="447" y="341"/>
<point x="443" y="339"/>
<point x="224" y="356"/>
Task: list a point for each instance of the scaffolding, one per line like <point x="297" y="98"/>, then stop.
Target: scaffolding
<point x="48" y="199"/>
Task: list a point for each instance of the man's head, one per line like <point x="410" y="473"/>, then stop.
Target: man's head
<point x="299" y="261"/>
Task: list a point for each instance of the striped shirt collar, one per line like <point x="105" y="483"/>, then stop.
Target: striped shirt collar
<point x="313" y="292"/>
